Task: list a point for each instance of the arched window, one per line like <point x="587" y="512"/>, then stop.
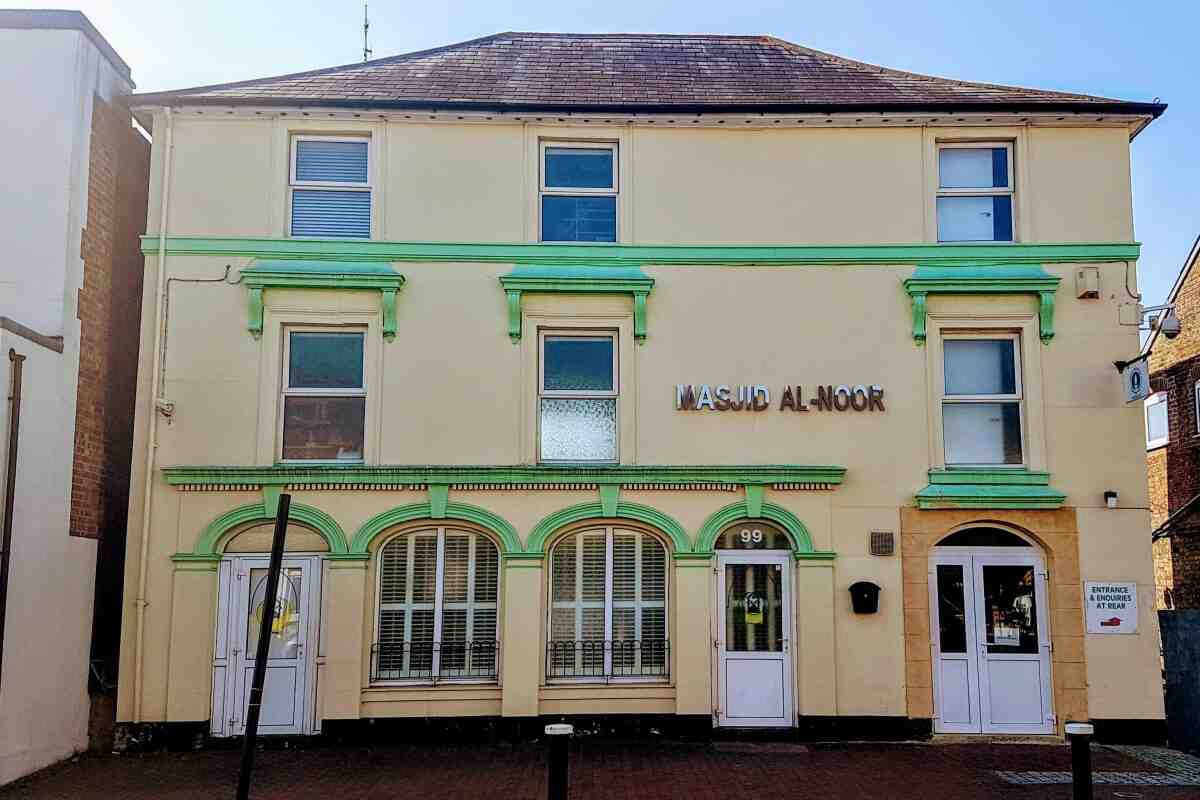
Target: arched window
<point x="983" y="537"/>
<point x="608" y="605"/>
<point x="438" y="593"/>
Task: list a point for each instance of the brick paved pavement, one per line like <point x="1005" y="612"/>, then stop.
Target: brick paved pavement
<point x="600" y="771"/>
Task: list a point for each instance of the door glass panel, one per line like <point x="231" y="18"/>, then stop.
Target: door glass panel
<point x="952" y="615"/>
<point x="1010" y="608"/>
<point x="753" y="608"/>
<point x="285" y="629"/>
<point x="753" y="535"/>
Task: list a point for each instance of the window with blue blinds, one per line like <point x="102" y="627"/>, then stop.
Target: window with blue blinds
<point x="331" y="191"/>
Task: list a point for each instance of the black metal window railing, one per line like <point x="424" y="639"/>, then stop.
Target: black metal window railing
<point x="434" y="661"/>
<point x="601" y="659"/>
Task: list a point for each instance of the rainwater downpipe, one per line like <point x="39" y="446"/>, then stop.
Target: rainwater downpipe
<point x="10" y="484"/>
<point x="156" y="391"/>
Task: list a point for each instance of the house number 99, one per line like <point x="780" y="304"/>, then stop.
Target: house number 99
<point x="751" y="536"/>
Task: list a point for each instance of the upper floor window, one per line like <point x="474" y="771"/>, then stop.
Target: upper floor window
<point x="578" y="192"/>
<point x="1158" y="431"/>
<point x="975" y="193"/>
<point x="331" y="187"/>
<point x="577" y="397"/>
<point x="324" y="396"/>
<point x="438" y="604"/>
<point x="608" y="606"/>
<point x="981" y="401"/>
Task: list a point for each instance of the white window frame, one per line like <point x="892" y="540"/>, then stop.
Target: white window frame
<point x="609" y="604"/>
<point x="575" y="394"/>
<point x="1195" y="407"/>
<point x="353" y="186"/>
<point x="286" y="391"/>
<point x="1017" y="397"/>
<point x="1159" y="398"/>
<point x="438" y="602"/>
<point x="1009" y="190"/>
<point x="545" y="190"/>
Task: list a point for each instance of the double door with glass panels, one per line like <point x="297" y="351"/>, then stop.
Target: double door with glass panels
<point x="991" y="641"/>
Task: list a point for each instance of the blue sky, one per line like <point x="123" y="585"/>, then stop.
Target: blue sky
<point x="1134" y="50"/>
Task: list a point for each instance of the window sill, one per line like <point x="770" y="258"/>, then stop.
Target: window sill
<point x="1152" y="446"/>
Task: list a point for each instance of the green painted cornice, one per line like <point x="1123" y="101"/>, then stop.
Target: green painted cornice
<point x="983" y="279"/>
<point x="599" y="254"/>
<point x="989" y="488"/>
<point x="299" y="274"/>
<point x="576" y="279"/>
<point x="333" y="476"/>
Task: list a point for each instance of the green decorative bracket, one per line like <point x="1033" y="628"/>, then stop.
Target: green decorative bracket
<point x="994" y="279"/>
<point x="989" y="488"/>
<point x="549" y="278"/>
<point x="610" y="494"/>
<point x="439" y="498"/>
<point x="321" y="275"/>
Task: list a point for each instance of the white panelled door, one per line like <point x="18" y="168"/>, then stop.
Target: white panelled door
<point x="991" y="641"/>
<point x="289" y="687"/>
<point x="754" y="660"/>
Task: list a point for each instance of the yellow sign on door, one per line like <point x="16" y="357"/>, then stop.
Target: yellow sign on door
<point x="753" y="604"/>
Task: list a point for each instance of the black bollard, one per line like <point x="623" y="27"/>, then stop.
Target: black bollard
<point x="1080" y="734"/>
<point x="560" y="738"/>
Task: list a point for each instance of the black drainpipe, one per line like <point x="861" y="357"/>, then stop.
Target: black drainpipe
<point x="14" y="424"/>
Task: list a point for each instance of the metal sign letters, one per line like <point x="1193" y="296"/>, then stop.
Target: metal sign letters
<point x="757" y="397"/>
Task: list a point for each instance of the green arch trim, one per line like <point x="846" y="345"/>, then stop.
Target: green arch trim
<point x="802" y="546"/>
<point x="212" y="542"/>
<point x="635" y="511"/>
<point x="505" y="532"/>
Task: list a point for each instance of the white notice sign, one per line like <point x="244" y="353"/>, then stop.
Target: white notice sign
<point x="1111" y="606"/>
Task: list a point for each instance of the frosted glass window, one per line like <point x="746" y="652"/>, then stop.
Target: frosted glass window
<point x="973" y="168"/>
<point x="980" y="366"/>
<point x="578" y="192"/>
<point x="974" y="193"/>
<point x="579" y="429"/>
<point x="982" y="433"/>
<point x="577" y="405"/>
<point x="981" y="402"/>
<point x="1157" y="430"/>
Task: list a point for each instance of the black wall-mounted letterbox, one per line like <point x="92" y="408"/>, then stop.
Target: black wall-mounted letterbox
<point x="864" y="597"/>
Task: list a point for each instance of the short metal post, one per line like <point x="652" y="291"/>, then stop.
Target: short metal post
<point x="1080" y="734"/>
<point x="560" y="738"/>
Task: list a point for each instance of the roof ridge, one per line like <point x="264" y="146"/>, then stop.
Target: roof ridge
<point x="878" y="68"/>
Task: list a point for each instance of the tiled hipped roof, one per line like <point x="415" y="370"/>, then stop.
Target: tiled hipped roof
<point x="633" y="72"/>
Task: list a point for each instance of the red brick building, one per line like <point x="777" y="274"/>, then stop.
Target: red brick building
<point x="1173" y="445"/>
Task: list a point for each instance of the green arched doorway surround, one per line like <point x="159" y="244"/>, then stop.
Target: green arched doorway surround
<point x="216" y="535"/>
<point x="802" y="546"/>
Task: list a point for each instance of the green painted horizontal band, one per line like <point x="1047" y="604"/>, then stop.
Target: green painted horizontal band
<point x="988" y="477"/>
<point x="196" y="558"/>
<point x="989" y="495"/>
<point x="816" y="555"/>
<point x="636" y="255"/>
<point x="699" y="557"/>
<point x="541" y="475"/>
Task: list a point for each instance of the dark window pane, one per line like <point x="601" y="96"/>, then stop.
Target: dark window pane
<point x="1002" y="218"/>
<point x="1010" y="609"/>
<point x="999" y="166"/>
<point x="578" y="364"/>
<point x="326" y="428"/>
<point x="952" y="614"/>
<point x="326" y="361"/>
<point x="753" y="608"/>
<point x="983" y="537"/>
<point x="753" y="535"/>
<point x="579" y="168"/>
<point x="579" y="219"/>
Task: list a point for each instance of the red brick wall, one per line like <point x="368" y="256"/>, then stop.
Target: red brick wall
<point x="109" y="308"/>
<point x="1174" y="470"/>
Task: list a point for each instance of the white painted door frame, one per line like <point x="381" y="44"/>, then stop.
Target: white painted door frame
<point x="232" y="666"/>
<point x="980" y="664"/>
<point x="782" y="560"/>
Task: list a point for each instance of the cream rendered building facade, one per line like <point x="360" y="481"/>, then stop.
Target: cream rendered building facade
<point x="790" y="249"/>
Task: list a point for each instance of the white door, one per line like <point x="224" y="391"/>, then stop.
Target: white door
<point x="754" y="664"/>
<point x="288" y="686"/>
<point x="991" y="641"/>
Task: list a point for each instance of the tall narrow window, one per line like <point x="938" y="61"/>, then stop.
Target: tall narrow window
<point x="577" y="398"/>
<point x="579" y="192"/>
<point x="438" y="592"/>
<point x="608" y="606"/>
<point x="1158" y="432"/>
<point x="324" y="396"/>
<point x="981" y="401"/>
<point x="975" y="193"/>
<point x="331" y="187"/>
